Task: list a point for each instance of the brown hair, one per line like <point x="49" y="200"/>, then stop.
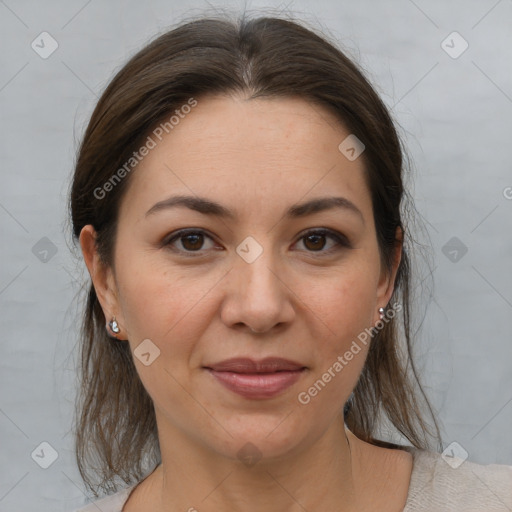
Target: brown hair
<point x="116" y="435"/>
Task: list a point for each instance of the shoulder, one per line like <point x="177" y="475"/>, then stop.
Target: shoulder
<point x="448" y="484"/>
<point x="112" y="503"/>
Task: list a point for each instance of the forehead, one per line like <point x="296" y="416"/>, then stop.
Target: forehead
<point x="242" y="152"/>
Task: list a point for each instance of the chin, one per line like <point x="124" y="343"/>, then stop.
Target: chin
<point x="264" y="437"/>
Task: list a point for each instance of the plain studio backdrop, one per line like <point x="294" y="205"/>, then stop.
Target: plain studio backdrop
<point x="444" y="70"/>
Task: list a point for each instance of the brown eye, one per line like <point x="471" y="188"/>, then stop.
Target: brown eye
<point x="315" y="241"/>
<point x="190" y="241"/>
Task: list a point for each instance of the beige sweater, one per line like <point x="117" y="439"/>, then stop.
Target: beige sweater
<point x="435" y="486"/>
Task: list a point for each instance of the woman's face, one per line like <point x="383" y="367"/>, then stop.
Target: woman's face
<point x="196" y="298"/>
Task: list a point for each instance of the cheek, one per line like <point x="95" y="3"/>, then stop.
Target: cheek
<point x="344" y="302"/>
<point x="170" y="307"/>
<point x="344" y="310"/>
<point x="172" y="311"/>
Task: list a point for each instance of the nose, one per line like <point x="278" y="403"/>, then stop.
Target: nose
<point x="257" y="297"/>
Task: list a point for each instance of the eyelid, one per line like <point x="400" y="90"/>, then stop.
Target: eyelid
<point x="181" y="233"/>
<point x="341" y="242"/>
<point x="340" y="239"/>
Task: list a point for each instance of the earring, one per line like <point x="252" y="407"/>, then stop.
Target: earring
<point x="113" y="326"/>
<point x="381" y="313"/>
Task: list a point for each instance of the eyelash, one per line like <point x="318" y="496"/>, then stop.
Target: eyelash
<point x="341" y="241"/>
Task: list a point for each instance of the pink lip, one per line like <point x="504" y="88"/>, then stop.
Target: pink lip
<point x="256" y="379"/>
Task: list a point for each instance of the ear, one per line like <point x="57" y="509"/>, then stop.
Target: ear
<point x="388" y="276"/>
<point x="102" y="277"/>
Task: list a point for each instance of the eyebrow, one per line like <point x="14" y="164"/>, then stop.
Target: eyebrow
<point x="209" y="207"/>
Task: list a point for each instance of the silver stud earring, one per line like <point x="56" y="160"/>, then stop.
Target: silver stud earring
<point x="113" y="326"/>
<point x="381" y="313"/>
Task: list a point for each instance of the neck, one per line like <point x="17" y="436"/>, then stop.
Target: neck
<point x="318" y="475"/>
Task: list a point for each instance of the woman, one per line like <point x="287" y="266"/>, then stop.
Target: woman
<point x="237" y="198"/>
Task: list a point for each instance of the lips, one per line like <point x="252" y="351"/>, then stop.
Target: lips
<point x="247" y="365"/>
<point x="256" y="379"/>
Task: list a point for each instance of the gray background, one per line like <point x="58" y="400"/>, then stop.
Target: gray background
<point x="455" y="115"/>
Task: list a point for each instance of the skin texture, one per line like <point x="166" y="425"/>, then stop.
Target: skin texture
<point x="257" y="158"/>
